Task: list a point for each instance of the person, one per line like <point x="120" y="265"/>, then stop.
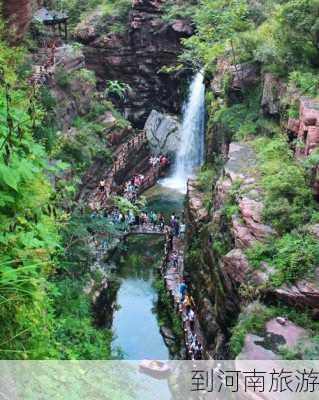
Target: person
<point x="136" y="181"/>
<point x="194" y="347"/>
<point x="176" y="227"/>
<point x="188" y="300"/>
<point x="174" y="258"/>
<point x="102" y="186"/>
<point x="131" y="217"/>
<point x="137" y="220"/>
<point x="173" y="217"/>
<point x="141" y="179"/>
<point x="182" y="289"/>
<point x="163" y="161"/>
<point x="161" y="221"/>
<point x="191" y="319"/>
<point x="199" y="352"/>
<point x="153" y="219"/>
<point x="120" y="218"/>
<point x="190" y="339"/>
<point x="170" y="240"/>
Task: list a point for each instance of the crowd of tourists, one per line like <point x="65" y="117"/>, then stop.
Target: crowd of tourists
<point x="160" y="160"/>
<point x="187" y="307"/>
<point x="132" y="187"/>
<point x="146" y="220"/>
<point x="176" y="228"/>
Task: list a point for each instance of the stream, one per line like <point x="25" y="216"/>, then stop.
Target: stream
<point x="136" y="325"/>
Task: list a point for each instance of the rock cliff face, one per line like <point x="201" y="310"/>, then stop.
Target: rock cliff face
<point x="306" y="127"/>
<point x="221" y="266"/>
<point x="216" y="246"/>
<point x="136" y="58"/>
<point x="18" y="14"/>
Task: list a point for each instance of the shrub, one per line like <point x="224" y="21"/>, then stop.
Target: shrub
<point x="85" y="75"/>
<point x="62" y="78"/>
<point x="306" y="82"/>
<point x="288" y="198"/>
<point x="294" y="256"/>
<point x="205" y="179"/>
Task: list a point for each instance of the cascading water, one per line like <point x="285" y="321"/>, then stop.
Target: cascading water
<point x="191" y="151"/>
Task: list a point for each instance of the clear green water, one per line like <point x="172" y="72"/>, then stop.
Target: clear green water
<point x="135" y="325"/>
<point x="165" y="200"/>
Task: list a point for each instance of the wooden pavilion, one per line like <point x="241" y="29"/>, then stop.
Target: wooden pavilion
<point x="56" y="20"/>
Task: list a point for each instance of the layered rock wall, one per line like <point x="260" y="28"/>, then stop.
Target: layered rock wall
<point x="18" y="15"/>
<point x="136" y="58"/>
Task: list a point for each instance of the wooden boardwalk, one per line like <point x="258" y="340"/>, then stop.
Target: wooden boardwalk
<point x="173" y="277"/>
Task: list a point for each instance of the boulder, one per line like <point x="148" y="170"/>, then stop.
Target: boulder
<point x="274" y="91"/>
<point x="182" y="27"/>
<point x="244" y="76"/>
<point x="69" y="59"/>
<point x="162" y="132"/>
<point x="251" y="211"/>
<point x="86" y="30"/>
<point x="314" y="229"/>
<point x="303" y="294"/>
<point x="108" y="120"/>
<point x="236" y="265"/>
<point x="293" y="125"/>
<point x="242" y="236"/>
<point x="291" y="332"/>
<point x="253" y="349"/>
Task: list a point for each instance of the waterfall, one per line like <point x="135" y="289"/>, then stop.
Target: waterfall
<point x="191" y="151"/>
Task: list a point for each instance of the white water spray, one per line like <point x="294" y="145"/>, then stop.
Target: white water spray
<point x="191" y="151"/>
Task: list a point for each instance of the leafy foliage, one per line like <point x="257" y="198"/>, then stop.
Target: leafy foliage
<point x="294" y="256"/>
<point x="288" y="198"/>
<point x="28" y="231"/>
<point x="116" y="88"/>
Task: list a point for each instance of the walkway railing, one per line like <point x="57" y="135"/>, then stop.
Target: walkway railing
<point x="42" y="71"/>
<point x="123" y="153"/>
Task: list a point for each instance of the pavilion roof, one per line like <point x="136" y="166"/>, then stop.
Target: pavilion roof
<point x="50" y="16"/>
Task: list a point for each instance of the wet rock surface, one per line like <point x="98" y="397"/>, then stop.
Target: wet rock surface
<point x="162" y="133"/>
